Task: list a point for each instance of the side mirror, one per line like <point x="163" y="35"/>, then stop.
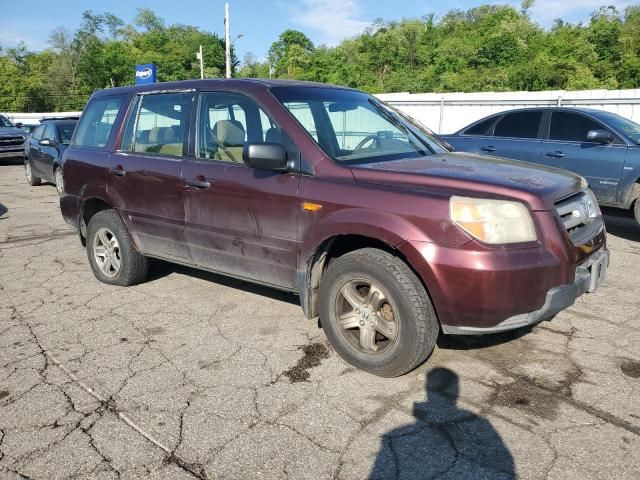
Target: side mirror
<point x="45" y="142"/>
<point x="271" y="157"/>
<point x="599" y="136"/>
<point x="18" y="125"/>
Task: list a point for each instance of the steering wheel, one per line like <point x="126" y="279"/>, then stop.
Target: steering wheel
<point x="366" y="140"/>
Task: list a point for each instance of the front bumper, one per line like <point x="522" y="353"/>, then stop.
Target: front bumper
<point x="589" y="276"/>
<point x="476" y="288"/>
<point x="12" y="153"/>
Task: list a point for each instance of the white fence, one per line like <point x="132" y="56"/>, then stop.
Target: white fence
<point x="34" y="118"/>
<point x="449" y="112"/>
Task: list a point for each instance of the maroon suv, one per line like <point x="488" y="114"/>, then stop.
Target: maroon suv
<point x="326" y="192"/>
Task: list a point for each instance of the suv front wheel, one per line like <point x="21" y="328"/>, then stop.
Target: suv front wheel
<point x="113" y="257"/>
<point x="376" y="313"/>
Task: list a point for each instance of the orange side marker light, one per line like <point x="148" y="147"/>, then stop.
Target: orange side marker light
<point x="311" y="207"/>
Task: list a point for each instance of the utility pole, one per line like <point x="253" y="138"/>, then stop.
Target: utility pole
<point x="201" y="58"/>
<point x="227" y="40"/>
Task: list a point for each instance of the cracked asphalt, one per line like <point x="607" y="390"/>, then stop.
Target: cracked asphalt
<point x="192" y="375"/>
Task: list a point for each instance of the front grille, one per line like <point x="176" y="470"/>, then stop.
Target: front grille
<point x="12" y="141"/>
<point x="578" y="217"/>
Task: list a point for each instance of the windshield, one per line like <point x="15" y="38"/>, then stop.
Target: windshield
<point x="65" y="132"/>
<point x="353" y="127"/>
<point x="4" y="122"/>
<point x="623" y="125"/>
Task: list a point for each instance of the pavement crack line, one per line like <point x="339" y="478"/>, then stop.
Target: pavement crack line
<point x="109" y="405"/>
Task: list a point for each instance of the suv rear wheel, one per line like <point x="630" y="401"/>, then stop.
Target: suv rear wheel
<point x="31" y="178"/>
<point x="113" y="257"/>
<point x="376" y="313"/>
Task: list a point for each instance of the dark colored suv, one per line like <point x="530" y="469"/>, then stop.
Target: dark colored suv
<point x="12" y="139"/>
<point x="385" y="235"/>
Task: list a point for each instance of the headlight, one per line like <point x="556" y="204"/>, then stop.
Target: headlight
<point x="493" y="221"/>
<point x="590" y="206"/>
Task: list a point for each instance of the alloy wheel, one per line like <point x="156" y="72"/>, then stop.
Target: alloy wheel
<point x="366" y="316"/>
<point x="106" y="251"/>
<point x="27" y="169"/>
<point x="59" y="181"/>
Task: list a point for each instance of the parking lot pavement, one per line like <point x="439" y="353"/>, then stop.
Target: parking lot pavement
<point x="192" y="375"/>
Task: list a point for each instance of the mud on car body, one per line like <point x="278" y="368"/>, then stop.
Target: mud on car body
<point x="387" y="236"/>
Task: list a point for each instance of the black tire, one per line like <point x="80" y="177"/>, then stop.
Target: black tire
<point x="133" y="265"/>
<point x="416" y="324"/>
<point x="31" y="178"/>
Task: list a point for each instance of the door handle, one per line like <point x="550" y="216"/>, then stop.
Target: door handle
<point x="556" y="154"/>
<point x="198" y="183"/>
<point x="489" y="148"/>
<point x="118" y="171"/>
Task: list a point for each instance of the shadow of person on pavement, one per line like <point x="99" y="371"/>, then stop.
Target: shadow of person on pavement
<point x="444" y="441"/>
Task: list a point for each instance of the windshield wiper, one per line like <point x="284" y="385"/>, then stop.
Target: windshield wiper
<point x="413" y="138"/>
<point x="389" y="116"/>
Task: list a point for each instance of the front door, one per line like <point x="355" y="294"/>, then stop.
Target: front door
<point x="144" y="175"/>
<point x="48" y="152"/>
<point x="567" y="147"/>
<point x="239" y="221"/>
<point x="35" y="149"/>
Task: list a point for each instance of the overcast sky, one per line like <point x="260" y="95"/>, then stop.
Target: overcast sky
<point x="324" y="21"/>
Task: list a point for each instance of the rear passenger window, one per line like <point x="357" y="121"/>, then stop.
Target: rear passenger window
<point x="519" y="125"/>
<point x="480" y="128"/>
<point x="160" y="125"/>
<point x="97" y="122"/>
<point x="571" y="127"/>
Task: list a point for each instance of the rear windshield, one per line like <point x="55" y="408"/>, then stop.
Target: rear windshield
<point x="353" y="127"/>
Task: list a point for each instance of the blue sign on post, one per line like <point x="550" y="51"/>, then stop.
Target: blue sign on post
<point x="145" y="74"/>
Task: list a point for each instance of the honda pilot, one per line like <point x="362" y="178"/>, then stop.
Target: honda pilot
<point x="386" y="236"/>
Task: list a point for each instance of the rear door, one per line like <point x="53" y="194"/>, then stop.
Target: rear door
<point x="567" y="147"/>
<point x="468" y="139"/>
<point x="516" y="136"/>
<point x="239" y="221"/>
<point x="144" y="174"/>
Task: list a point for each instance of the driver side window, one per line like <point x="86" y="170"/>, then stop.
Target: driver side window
<point x="49" y="133"/>
<point x="227" y="122"/>
<point x="37" y="134"/>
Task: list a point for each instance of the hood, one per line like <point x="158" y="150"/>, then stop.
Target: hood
<point x="468" y="174"/>
<point x="12" y="131"/>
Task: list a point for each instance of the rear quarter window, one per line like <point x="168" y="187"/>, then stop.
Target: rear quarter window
<point x="96" y="123"/>
<point x="480" y="128"/>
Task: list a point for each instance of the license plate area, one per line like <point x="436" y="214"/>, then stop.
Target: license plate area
<point x="598" y="270"/>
